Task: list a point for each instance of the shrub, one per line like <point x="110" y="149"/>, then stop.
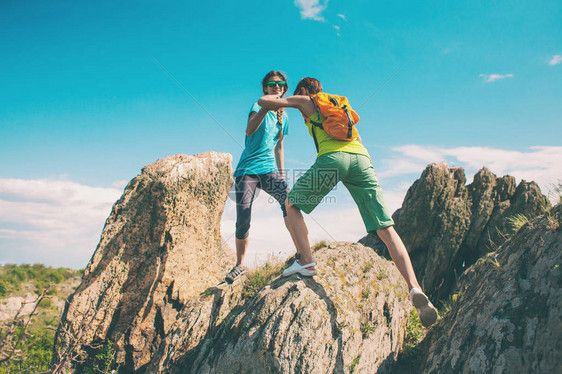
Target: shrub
<point x="3" y="288"/>
<point x="101" y="360"/>
<point x="20" y="274"/>
<point x="56" y="277"/>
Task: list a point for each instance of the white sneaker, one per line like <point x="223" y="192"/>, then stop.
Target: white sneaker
<point x="301" y="269"/>
<point x="426" y="310"/>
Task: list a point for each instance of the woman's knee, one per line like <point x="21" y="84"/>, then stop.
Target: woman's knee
<point x="289" y="205"/>
<point x="242" y="230"/>
<point x="385" y="233"/>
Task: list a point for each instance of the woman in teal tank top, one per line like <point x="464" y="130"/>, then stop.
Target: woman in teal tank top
<point x="261" y="165"/>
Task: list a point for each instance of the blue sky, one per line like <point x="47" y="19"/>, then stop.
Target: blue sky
<point x="91" y="93"/>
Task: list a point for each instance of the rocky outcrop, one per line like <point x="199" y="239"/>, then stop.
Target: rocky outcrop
<point x="508" y="315"/>
<point x="153" y="288"/>
<point x="160" y="247"/>
<point x="447" y="225"/>
<point x="351" y="315"/>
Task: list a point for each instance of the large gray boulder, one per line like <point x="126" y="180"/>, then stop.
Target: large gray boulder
<point x="351" y="316"/>
<point x="160" y="247"/>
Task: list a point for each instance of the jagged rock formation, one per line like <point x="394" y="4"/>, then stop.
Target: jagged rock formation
<point x="352" y="314"/>
<point x="160" y="247"/>
<point x="447" y="225"/>
<point x="508" y="315"/>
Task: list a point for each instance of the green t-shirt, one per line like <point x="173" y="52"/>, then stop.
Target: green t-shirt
<point x="327" y="144"/>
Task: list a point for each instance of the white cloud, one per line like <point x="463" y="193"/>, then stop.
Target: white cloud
<point x="489" y="78"/>
<point x="539" y="163"/>
<point x="555" y="60"/>
<point x="53" y="222"/>
<point x="397" y="167"/>
<point x="120" y="184"/>
<point x="342" y="16"/>
<point x="311" y="9"/>
<point x="337" y="27"/>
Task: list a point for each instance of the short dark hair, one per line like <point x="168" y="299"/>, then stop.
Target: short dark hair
<point x="311" y="84"/>
<point x="274" y="73"/>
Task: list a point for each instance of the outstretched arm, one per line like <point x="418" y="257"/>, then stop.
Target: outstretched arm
<point x="302" y="103"/>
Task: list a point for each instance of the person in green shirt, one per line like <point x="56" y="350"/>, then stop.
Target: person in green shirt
<point x="350" y="163"/>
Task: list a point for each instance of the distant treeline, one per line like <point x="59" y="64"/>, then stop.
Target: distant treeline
<point x="13" y="276"/>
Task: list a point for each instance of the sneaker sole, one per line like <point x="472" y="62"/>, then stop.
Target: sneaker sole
<point x="426" y="312"/>
<point x="232" y="280"/>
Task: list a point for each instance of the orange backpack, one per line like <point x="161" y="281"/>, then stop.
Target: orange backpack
<point x="340" y="118"/>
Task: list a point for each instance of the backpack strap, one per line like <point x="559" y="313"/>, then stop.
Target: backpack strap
<point x="350" y="124"/>
<point x="315" y="139"/>
<point x="315" y="124"/>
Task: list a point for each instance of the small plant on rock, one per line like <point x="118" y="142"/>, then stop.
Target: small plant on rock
<point x="414" y="333"/>
<point x="447" y="305"/>
<point x="321" y="244"/>
<point x="368" y="265"/>
<point x="258" y="278"/>
<point x="517" y="221"/>
<point x="366" y="328"/>
<point x="366" y="291"/>
<point x="354" y="363"/>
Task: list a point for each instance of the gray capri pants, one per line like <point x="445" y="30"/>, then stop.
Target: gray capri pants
<point x="245" y="187"/>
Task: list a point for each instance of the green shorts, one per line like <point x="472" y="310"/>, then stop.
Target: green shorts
<point x="357" y="175"/>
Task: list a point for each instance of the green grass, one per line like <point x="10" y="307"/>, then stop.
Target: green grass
<point x="553" y="223"/>
<point x="258" y="278"/>
<point x="447" y="304"/>
<point x="35" y="341"/>
<point x="101" y="360"/>
<point x="319" y="245"/>
<point x="368" y="265"/>
<point x="414" y="333"/>
<point x="37" y="350"/>
<point x="517" y="221"/>
<point x="382" y="274"/>
<point x="340" y="326"/>
<point x="354" y="363"/>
